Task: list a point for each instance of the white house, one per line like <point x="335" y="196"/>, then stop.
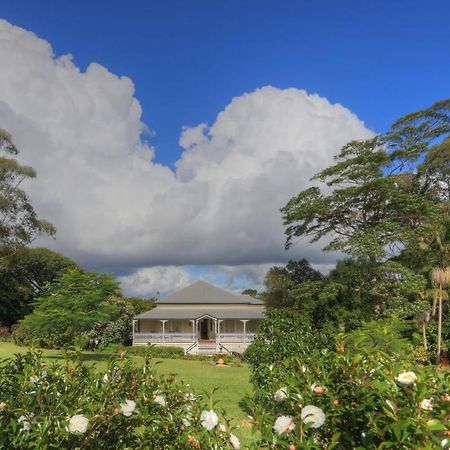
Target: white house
<point x="201" y="318"/>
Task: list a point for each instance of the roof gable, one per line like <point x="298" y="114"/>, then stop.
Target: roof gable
<point x="204" y="293"/>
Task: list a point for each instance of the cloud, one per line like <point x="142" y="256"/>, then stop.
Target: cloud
<point x="115" y="207"/>
<point x="152" y="280"/>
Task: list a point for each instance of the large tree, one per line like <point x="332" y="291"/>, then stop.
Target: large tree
<point x="22" y="276"/>
<point x="19" y="223"/>
<point x="384" y="194"/>
<point x="69" y="306"/>
<point x="279" y="280"/>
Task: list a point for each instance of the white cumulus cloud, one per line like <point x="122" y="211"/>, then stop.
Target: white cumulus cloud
<point x="114" y="206"/>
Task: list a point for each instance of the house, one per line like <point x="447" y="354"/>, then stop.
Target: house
<point x="201" y="318"/>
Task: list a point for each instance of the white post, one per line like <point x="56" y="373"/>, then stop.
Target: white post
<point x="134" y="324"/>
<point x="244" y="322"/>
<point x="218" y="329"/>
<point x="163" y="330"/>
<point x="193" y="330"/>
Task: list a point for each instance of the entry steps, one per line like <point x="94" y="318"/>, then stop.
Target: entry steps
<point x="206" y="348"/>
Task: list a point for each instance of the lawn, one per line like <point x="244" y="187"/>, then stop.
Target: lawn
<point x="232" y="382"/>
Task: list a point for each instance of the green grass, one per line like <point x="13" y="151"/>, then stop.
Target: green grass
<point x="232" y="382"/>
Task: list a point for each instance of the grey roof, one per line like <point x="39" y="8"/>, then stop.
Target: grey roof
<point x="225" y="312"/>
<point x="252" y="300"/>
<point x="204" y="293"/>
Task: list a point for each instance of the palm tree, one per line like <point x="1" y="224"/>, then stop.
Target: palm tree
<point x="440" y="277"/>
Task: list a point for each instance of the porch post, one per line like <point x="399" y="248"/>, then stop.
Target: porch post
<point x="134" y="325"/>
<point x="218" y="329"/>
<point x="245" y="323"/>
<point x="163" y="330"/>
<point x="193" y="329"/>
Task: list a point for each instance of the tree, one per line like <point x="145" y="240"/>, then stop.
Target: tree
<point x="277" y="283"/>
<point x="280" y="280"/>
<point x="19" y="224"/>
<point x="141" y="305"/>
<point x="301" y="271"/>
<point x="382" y="198"/>
<point x="441" y="280"/>
<point x="252" y="292"/>
<point x="22" y="276"/>
<point x="70" y="306"/>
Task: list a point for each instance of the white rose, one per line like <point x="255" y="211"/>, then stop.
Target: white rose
<point x="24" y="421"/>
<point x="426" y="404"/>
<point x="407" y="378"/>
<point x="234" y="441"/>
<point x="186" y="422"/>
<point x="209" y="419"/>
<point x="283" y="424"/>
<point x="160" y="400"/>
<point x="77" y="424"/>
<point x="314" y="415"/>
<point x="280" y="395"/>
<point x="128" y="407"/>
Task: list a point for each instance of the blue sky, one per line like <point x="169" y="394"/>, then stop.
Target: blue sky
<point x="217" y="215"/>
<point x="381" y="59"/>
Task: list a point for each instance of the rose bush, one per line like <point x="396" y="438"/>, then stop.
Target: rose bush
<point x="367" y="394"/>
<point x="76" y="407"/>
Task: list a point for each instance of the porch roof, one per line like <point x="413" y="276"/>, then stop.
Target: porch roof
<point x="222" y="313"/>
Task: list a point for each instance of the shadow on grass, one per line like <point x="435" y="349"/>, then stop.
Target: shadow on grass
<point x="244" y="405"/>
<point x="85" y="357"/>
<point x="97" y="357"/>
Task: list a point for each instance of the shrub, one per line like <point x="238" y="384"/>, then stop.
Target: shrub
<point x="369" y="393"/>
<point x="116" y="328"/>
<point x="157" y="351"/>
<point x="284" y="334"/>
<point x="5" y="334"/>
<point x="74" y="406"/>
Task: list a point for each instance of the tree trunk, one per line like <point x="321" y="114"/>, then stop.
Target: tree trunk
<point x="439" y="330"/>
<point x="424" y="334"/>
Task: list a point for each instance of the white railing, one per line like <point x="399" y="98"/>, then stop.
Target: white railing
<point x="235" y="337"/>
<point x="159" y="338"/>
<point x="186" y="338"/>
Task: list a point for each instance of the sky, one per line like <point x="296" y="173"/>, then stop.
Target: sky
<point x="167" y="134"/>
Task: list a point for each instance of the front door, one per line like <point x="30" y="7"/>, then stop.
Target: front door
<point x="204" y="328"/>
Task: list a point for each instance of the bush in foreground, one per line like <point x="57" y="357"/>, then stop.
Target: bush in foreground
<point x="368" y="394"/>
<point x="76" y="407"/>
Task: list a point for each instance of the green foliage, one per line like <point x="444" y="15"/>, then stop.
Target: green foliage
<point x="362" y="392"/>
<point x="22" y="276"/>
<point x="279" y="280"/>
<point x="116" y="328"/>
<point x="141" y="305"/>
<point x="398" y="292"/>
<point x="38" y="402"/>
<point x="19" y="224"/>
<point x="284" y="333"/>
<point x="73" y="304"/>
<point x="380" y="203"/>
<point x="157" y="351"/>
<point x="252" y="292"/>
